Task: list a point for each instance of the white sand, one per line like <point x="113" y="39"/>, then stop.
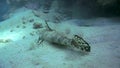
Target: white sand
<point x="104" y="42"/>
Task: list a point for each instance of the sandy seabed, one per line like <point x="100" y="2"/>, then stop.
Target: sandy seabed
<point x="18" y="40"/>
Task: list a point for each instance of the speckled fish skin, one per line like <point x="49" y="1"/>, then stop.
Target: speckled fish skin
<point x="56" y="37"/>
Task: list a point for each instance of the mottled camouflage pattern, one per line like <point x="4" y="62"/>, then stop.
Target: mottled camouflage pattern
<point x="53" y="36"/>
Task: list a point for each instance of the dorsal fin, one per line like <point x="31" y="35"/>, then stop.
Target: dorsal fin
<point x="48" y="26"/>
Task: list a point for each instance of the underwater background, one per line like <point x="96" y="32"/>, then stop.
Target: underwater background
<point x="59" y="33"/>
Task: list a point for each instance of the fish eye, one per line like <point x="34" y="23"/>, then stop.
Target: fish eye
<point x="87" y="49"/>
<point x="75" y="37"/>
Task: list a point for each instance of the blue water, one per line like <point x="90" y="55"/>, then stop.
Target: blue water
<point x="4" y="7"/>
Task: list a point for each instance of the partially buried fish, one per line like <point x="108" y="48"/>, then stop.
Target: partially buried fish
<point x="52" y="36"/>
